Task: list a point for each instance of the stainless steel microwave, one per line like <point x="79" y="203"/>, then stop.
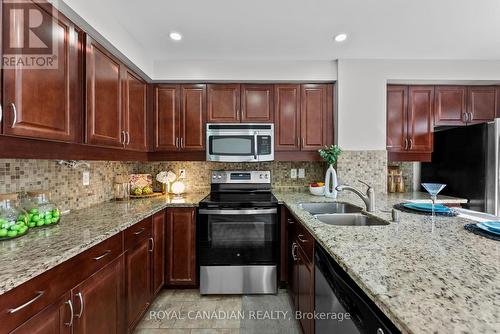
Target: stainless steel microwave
<point x="240" y="142"/>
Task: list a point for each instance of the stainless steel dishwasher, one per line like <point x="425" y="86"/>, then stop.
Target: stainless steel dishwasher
<point x="347" y="308"/>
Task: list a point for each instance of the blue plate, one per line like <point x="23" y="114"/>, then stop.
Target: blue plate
<point x="484" y="227"/>
<point x="427" y="207"/>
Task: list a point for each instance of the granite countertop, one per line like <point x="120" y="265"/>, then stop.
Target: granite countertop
<point x="440" y="279"/>
<point x="42" y="249"/>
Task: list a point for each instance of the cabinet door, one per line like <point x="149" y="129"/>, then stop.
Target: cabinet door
<point x="482" y="103"/>
<point x="104" y="99"/>
<point x="134" y="91"/>
<point x="257" y="103"/>
<point x="98" y="301"/>
<point x="293" y="273"/>
<point x="420" y="116"/>
<point x="181" y="247"/>
<point x="313" y="117"/>
<point x="449" y="105"/>
<point x="158" y="252"/>
<point x="287" y="117"/>
<point x="193" y="117"/>
<point x="46" y="103"/>
<point x="223" y="103"/>
<point x="397" y="106"/>
<point x="54" y="319"/>
<point x="305" y="272"/>
<point x="167" y="118"/>
<point x="137" y="281"/>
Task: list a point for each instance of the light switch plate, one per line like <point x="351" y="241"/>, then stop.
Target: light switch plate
<point x="86" y="178"/>
<point x="293" y="173"/>
<point x="182" y="173"/>
<point x="302" y="173"/>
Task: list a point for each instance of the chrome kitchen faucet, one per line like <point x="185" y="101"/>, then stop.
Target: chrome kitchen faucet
<point x="369" y="198"/>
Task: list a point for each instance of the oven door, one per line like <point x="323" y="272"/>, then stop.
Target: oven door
<point x="237" y="237"/>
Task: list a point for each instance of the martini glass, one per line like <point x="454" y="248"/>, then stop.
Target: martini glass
<point x="433" y="189"/>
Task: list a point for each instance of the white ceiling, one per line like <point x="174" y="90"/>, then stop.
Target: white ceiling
<point x="297" y="29"/>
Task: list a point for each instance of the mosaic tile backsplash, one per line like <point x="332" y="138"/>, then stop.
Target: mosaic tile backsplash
<point x="65" y="184"/>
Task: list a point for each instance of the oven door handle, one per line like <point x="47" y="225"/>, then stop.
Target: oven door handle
<point x="238" y="212"/>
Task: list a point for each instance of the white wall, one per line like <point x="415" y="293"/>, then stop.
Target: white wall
<point x="245" y="70"/>
<point x="361" y="89"/>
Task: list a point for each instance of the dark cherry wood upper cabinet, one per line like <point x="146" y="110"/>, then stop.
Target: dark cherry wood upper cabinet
<point x="287" y="117"/>
<point x="397" y="106"/>
<point x="47" y="103"/>
<point x="166" y="117"/>
<point x="181" y="247"/>
<point x="223" y="103"/>
<point x="450" y="105"/>
<point x="313" y="116"/>
<point x="54" y="319"/>
<point x="193" y="117"/>
<point x="420" y="118"/>
<point x="104" y="99"/>
<point x="482" y="103"/>
<point x="135" y="111"/>
<point x="257" y="103"/>
<point x="159" y="222"/>
<point x="98" y="301"/>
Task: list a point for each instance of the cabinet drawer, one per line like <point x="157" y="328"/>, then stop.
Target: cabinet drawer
<point x="305" y="240"/>
<point x="138" y="232"/>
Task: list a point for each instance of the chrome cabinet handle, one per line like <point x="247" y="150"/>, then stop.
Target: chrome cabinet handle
<point x="291" y="222"/>
<point x="294" y="255"/>
<point x="14" y="111"/>
<point x="122" y="138"/>
<point x="176" y="142"/>
<point x="406" y="144"/>
<point x="152" y="245"/>
<point x="380" y="331"/>
<point x="128" y="137"/>
<point x="301" y="238"/>
<point x="39" y="295"/>
<point x="411" y="143"/>
<point x="106" y="253"/>
<point x="139" y="231"/>
<point x="470" y="117"/>
<point x="1" y="113"/>
<point x="465" y="117"/>
<point x="182" y="142"/>
<point x="298" y="142"/>
<point x="82" y="305"/>
<point x="71" y="312"/>
<point x="255" y="146"/>
<point x="303" y="142"/>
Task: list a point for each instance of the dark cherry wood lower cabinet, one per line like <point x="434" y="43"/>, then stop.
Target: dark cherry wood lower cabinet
<point x="98" y="301"/>
<point x="138" y="281"/>
<point x="300" y="278"/>
<point x="158" y="276"/>
<point x="55" y="319"/>
<point x="181" y="247"/>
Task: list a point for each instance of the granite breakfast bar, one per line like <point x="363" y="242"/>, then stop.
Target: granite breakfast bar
<point x="439" y="279"/>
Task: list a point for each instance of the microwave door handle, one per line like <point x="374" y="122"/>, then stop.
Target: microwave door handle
<point x="255" y="145"/>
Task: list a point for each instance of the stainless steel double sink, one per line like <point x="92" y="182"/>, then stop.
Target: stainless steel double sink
<point x="340" y="214"/>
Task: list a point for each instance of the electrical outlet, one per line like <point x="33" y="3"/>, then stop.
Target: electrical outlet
<point x="302" y="173"/>
<point x="182" y="173"/>
<point x="86" y="178"/>
<point x="293" y="173"/>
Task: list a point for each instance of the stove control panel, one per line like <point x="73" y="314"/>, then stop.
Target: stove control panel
<point x="241" y="176"/>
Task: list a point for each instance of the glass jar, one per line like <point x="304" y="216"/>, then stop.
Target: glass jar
<point x="13" y="219"/>
<point x="41" y="211"/>
<point x="122" y="188"/>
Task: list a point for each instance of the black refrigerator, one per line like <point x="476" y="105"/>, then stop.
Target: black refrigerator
<point x="466" y="160"/>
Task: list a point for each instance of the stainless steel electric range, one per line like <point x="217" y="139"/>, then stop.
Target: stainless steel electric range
<point x="237" y="234"/>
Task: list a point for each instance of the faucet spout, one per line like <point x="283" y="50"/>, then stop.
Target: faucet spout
<point x="368" y="199"/>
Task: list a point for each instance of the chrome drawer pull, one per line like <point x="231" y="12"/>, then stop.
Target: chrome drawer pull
<point x="152" y="245"/>
<point x="39" y="295"/>
<point x="301" y="238"/>
<point x="1" y="113"/>
<point x="80" y="296"/>
<point x="106" y="253"/>
<point x="72" y="314"/>
<point x="291" y="222"/>
<point x="14" y="111"/>
<point x="139" y="232"/>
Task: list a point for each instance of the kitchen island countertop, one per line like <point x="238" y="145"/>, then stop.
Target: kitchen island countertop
<point x="426" y="279"/>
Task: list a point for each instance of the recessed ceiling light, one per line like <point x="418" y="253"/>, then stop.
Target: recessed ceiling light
<point x="340" y="37"/>
<point x="175" y="36"/>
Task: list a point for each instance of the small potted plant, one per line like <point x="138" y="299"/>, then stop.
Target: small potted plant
<point x="330" y="154"/>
